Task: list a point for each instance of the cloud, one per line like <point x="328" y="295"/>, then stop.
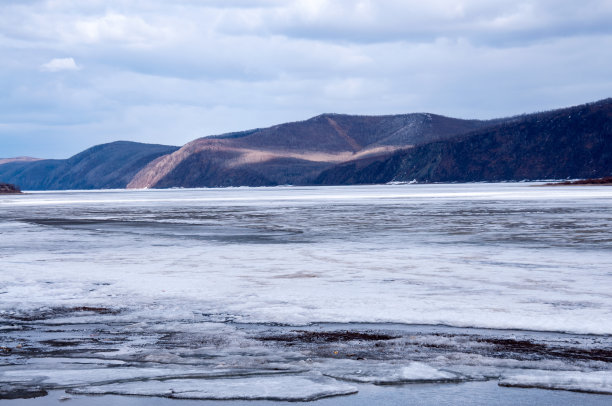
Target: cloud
<point x="502" y="22"/>
<point x="168" y="72"/>
<point x="59" y="64"/>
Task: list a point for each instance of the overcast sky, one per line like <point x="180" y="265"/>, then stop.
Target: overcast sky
<point x="78" y="73"/>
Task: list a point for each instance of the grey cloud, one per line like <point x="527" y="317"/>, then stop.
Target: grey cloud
<point x="482" y="22"/>
<point x="156" y="71"/>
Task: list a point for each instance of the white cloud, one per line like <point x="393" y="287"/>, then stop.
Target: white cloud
<point x="122" y="29"/>
<point x="59" y="64"/>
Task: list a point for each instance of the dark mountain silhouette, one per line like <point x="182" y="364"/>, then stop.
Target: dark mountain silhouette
<point x="101" y="167"/>
<point x="575" y="142"/>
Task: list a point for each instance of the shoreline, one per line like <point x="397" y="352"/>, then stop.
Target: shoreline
<point x="574" y="184"/>
<point x="605" y="181"/>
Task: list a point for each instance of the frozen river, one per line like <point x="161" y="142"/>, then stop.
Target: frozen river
<point x="300" y="293"/>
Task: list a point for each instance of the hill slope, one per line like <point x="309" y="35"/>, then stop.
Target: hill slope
<point x="294" y="152"/>
<point x="575" y="142"/>
<point x="18" y="159"/>
<point x="104" y="166"/>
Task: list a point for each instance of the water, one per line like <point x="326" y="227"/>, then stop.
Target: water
<point x="304" y="292"/>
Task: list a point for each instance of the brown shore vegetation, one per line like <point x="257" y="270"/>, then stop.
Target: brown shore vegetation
<point x="6" y="188"/>
<point x="605" y="181"/>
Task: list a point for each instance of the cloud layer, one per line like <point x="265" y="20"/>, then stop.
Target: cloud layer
<point x="78" y="74"/>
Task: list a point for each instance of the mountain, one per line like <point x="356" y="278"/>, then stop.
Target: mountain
<point x="338" y="149"/>
<point x="294" y="153"/>
<point x="104" y="166"/>
<point x="574" y="142"/>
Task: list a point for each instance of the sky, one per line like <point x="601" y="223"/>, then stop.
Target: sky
<point x="74" y="74"/>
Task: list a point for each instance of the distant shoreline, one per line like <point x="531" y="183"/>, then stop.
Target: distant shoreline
<point x="605" y="181"/>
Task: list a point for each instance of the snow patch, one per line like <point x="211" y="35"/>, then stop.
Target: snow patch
<point x="386" y="373"/>
<point x="594" y="382"/>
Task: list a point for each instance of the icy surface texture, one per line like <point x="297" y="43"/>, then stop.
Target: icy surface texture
<point x="292" y="388"/>
<point x="382" y="373"/>
<point x="496" y="256"/>
<point x="352" y="283"/>
<point x="596" y="382"/>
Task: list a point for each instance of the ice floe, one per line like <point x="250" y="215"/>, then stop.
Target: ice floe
<point x="594" y="381"/>
<point x="383" y="373"/>
<point x="290" y="388"/>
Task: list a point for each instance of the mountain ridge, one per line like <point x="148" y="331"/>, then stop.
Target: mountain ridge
<point x="346" y="149"/>
<point x="270" y="156"/>
<point x="543" y="145"/>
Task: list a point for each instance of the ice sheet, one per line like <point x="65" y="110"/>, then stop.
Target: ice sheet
<point x="186" y="280"/>
<point x="65" y="378"/>
<point x="291" y="388"/>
